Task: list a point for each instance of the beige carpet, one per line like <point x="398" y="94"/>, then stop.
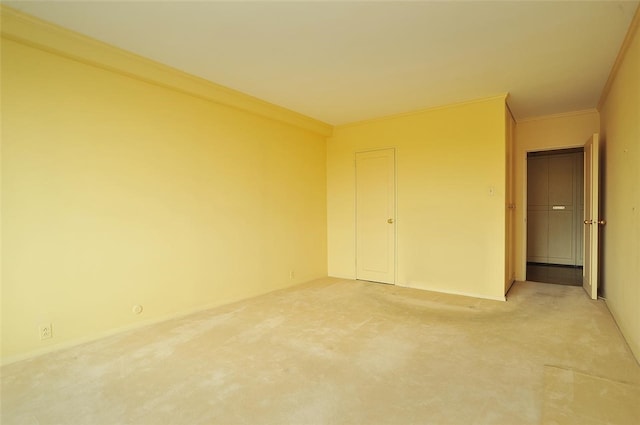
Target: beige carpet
<point x="342" y="352"/>
<point x="574" y="397"/>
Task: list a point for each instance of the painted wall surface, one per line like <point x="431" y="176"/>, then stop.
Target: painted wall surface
<point x="620" y="265"/>
<point x="450" y="229"/>
<point x="545" y="133"/>
<point x="118" y="192"/>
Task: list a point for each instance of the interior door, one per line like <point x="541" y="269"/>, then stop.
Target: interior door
<point x="591" y="217"/>
<point x="375" y="216"/>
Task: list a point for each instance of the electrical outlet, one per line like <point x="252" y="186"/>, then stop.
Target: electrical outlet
<point x="45" y="331"/>
<point x="292" y="274"/>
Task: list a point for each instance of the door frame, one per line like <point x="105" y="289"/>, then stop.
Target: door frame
<point x="395" y="211"/>
<point x="523" y="204"/>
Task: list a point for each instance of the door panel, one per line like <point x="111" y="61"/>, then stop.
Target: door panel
<point x="561" y="249"/>
<point x="538" y="239"/>
<point x="561" y="179"/>
<point x="510" y="270"/>
<point x="561" y="212"/>
<point x="538" y="181"/>
<point x="375" y="216"/>
<point x="537" y="214"/>
<point x="591" y="216"/>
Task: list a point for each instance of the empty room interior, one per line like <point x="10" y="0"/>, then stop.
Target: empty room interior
<point x="320" y="212"/>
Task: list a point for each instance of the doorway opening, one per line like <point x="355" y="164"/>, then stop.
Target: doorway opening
<point x="555" y="211"/>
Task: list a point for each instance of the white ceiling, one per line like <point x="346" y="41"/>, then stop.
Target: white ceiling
<point x="342" y="62"/>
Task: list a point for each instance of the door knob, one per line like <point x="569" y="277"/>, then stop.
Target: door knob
<point x="588" y="222"/>
<point x="390" y="221"/>
<point x="602" y="222"/>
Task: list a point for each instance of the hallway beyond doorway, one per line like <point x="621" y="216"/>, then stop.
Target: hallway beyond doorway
<point x="553" y="273"/>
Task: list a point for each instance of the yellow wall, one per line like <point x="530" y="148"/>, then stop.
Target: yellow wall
<point x="545" y="133"/>
<point x="620" y="264"/>
<point x="117" y="191"/>
<point x="450" y="231"/>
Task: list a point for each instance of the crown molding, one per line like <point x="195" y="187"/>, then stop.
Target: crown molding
<point x="559" y="115"/>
